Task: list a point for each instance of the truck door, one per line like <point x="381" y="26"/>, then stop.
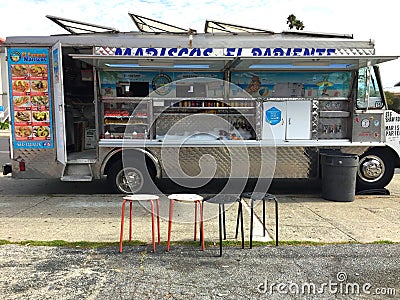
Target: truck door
<point x="298" y="114"/>
<point x="59" y="110"/>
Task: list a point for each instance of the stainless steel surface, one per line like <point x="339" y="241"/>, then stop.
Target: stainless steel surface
<point x="291" y="162"/>
<point x="368" y="127"/>
<point x="334" y="118"/>
<point x="334" y="114"/>
<point x="333" y="128"/>
<point x="39" y="163"/>
<point x="282" y="162"/>
<point x="296" y="162"/>
<point x="77" y="172"/>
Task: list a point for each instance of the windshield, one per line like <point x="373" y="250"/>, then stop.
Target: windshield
<point x="368" y="93"/>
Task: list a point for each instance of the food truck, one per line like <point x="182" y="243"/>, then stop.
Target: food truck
<point x="167" y="102"/>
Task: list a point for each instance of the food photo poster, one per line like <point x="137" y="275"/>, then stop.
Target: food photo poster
<point x="29" y="84"/>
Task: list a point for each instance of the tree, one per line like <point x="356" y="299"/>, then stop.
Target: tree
<point x="294" y="22"/>
<point x="393" y="101"/>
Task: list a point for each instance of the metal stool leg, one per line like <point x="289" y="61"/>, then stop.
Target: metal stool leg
<point x="130" y="220"/>
<point x="153" y="240"/>
<point x="195" y="221"/>
<point x="201" y="212"/>
<point x="171" y="214"/>
<point x="251" y="223"/>
<point x="237" y="220"/>
<point x="220" y="228"/>
<point x="202" y="226"/>
<point x="223" y="220"/>
<point x="121" y="234"/>
<point x="158" y="221"/>
<point x="276" y="222"/>
<point x="241" y="223"/>
<point x="263" y="217"/>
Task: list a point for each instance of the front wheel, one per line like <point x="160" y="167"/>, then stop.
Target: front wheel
<point x="375" y="169"/>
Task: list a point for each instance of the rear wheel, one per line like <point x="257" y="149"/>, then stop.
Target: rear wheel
<point x="129" y="179"/>
<point x="375" y="169"/>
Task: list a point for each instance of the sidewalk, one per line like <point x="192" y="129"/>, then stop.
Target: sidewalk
<point x="4" y="132"/>
<point x="301" y="218"/>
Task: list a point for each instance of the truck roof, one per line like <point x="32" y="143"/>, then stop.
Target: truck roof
<point x="199" y="40"/>
<point x="154" y="33"/>
<point x="222" y="46"/>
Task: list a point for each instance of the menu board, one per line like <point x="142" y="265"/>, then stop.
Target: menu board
<point x="29" y="84"/>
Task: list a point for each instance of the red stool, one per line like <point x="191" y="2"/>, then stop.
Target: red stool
<point x="138" y="198"/>
<point x="187" y="198"/>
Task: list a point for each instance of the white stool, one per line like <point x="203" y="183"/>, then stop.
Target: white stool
<point x="138" y="198"/>
<point x="187" y="198"/>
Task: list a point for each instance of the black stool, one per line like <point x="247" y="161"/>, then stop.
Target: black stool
<point x="256" y="196"/>
<point x="221" y="200"/>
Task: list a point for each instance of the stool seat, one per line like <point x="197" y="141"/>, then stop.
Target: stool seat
<point x="186" y="198"/>
<point x="141" y="197"/>
<point x="222" y="199"/>
<point x="138" y="198"/>
<point x="257" y="196"/>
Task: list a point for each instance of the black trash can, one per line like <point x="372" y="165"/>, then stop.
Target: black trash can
<point x="339" y="173"/>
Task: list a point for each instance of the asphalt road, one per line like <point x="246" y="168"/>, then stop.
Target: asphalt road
<point x="286" y="272"/>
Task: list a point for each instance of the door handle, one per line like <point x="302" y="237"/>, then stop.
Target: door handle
<point x="290" y="119"/>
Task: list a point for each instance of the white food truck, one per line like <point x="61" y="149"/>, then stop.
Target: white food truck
<point x="165" y="102"/>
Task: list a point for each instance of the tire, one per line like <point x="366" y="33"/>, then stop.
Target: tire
<point x="375" y="169"/>
<point x="130" y="179"/>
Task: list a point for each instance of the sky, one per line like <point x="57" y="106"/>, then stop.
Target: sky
<point x="365" y="19"/>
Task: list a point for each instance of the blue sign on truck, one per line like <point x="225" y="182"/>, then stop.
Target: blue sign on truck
<point x="30" y="105"/>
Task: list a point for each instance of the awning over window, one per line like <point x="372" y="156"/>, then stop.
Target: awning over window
<point x="221" y="63"/>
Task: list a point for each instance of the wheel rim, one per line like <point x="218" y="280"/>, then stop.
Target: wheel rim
<point x="129" y="180"/>
<point x="371" y="168"/>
